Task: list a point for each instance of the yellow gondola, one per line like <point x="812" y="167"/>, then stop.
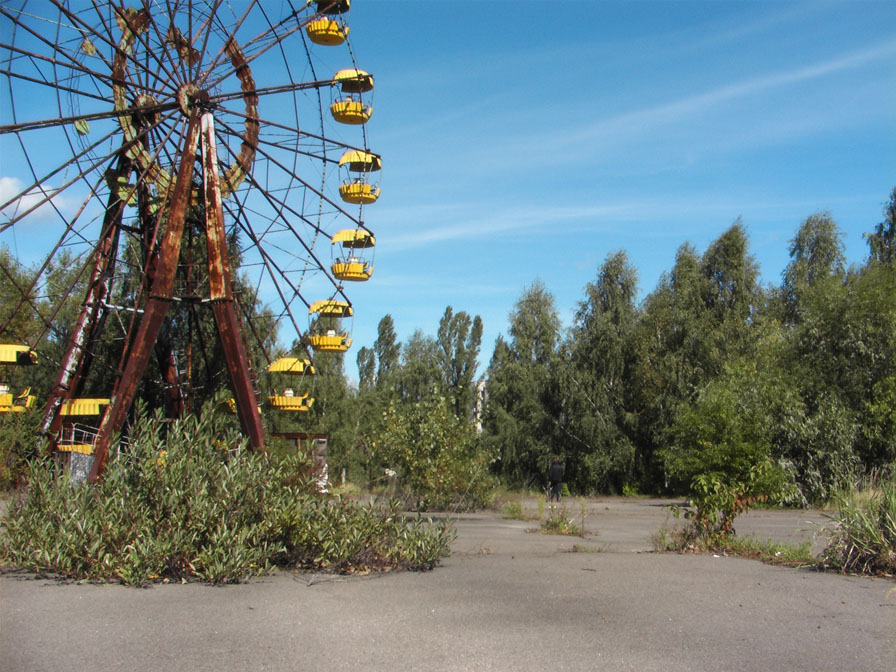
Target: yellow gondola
<point x="352" y="108"/>
<point x="355" y="188"/>
<point x="19" y="355"/>
<point x="20" y="403"/>
<point x="289" y="400"/>
<point x="350" y="266"/>
<point x="76" y="438"/>
<point x="327" y="31"/>
<point x="324" y="336"/>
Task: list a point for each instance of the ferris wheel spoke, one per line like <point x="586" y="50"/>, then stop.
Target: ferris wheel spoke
<point x="74" y="160"/>
<point x="227" y="37"/>
<point x="37" y="185"/>
<point x="88" y="31"/>
<point x="271" y="90"/>
<point x="44" y="81"/>
<point x="279" y="207"/>
<point x="130" y="20"/>
<point x="270" y="157"/>
<point x="328" y="144"/>
<point x="274" y="271"/>
<point x="179" y="73"/>
<point x="263" y="41"/>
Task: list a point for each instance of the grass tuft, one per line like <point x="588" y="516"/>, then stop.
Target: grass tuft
<point x="864" y="539"/>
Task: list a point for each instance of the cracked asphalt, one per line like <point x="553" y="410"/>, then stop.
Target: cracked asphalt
<point x="507" y="599"/>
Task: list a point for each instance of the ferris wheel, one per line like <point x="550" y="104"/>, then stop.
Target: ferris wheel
<point x="167" y="157"/>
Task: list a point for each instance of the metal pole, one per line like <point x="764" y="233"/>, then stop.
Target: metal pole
<point x="221" y="292"/>
<point x="156" y="305"/>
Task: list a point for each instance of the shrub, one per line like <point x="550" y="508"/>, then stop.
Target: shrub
<point x="18" y="439"/>
<point x="560" y="522"/>
<point x="438" y="458"/>
<point x="183" y="501"/>
<point x="864" y="539"/>
<point x="716" y="503"/>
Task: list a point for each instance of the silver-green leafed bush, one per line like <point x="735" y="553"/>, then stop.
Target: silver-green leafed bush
<point x="184" y="501"/>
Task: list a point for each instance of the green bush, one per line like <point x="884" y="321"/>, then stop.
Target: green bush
<point x="439" y="460"/>
<point x="864" y="539"/>
<point x="18" y="440"/>
<point x="183" y="502"/>
<point x="715" y="503"/>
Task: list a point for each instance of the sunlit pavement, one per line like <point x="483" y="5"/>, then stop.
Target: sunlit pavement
<point x="508" y="598"/>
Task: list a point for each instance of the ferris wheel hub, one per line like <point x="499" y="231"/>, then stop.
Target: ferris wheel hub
<point x="189" y="95"/>
<point x="145" y="110"/>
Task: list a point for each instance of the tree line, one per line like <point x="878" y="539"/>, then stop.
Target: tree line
<point x="711" y="373"/>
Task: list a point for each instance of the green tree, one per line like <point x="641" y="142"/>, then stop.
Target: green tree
<point x="437" y="456"/>
<point x="18" y="323"/>
<point x="459" y="340"/>
<point x="420" y="373"/>
<point x="366" y="361"/>
<point x="816" y="254"/>
<point x="595" y="386"/>
<point x="700" y="317"/>
<point x="387" y="350"/>
<point x="883" y="241"/>
<point x="518" y="428"/>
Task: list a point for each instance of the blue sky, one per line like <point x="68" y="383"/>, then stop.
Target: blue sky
<point x="528" y="140"/>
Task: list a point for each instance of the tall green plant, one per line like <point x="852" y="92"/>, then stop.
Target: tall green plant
<point x="184" y="501"/>
<point x="438" y="458"/>
<point x="715" y="503"/>
<point x="864" y="539"/>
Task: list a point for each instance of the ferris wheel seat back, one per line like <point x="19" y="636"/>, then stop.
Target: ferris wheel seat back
<point x="300" y="404"/>
<point x="330" y="343"/>
<point x="359" y="193"/>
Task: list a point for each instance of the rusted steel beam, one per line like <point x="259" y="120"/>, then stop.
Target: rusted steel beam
<point x="81" y="346"/>
<point x="174" y="398"/>
<point x="221" y="293"/>
<point x="156" y="305"/>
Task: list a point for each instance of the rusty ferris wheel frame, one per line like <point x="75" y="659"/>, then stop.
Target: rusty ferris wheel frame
<point x="161" y="114"/>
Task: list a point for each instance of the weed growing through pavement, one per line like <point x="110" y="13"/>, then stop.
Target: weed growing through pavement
<point x="560" y="522"/>
<point x="864" y="539"/>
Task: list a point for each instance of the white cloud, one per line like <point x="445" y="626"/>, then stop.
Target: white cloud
<point x="32" y="205"/>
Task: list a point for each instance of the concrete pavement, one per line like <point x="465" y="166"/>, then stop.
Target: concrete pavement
<point x="507" y="599"/>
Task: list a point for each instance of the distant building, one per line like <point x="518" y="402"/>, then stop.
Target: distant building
<point x="479" y="399"/>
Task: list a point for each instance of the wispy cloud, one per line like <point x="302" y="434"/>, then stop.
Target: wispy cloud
<point x="553" y="147"/>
